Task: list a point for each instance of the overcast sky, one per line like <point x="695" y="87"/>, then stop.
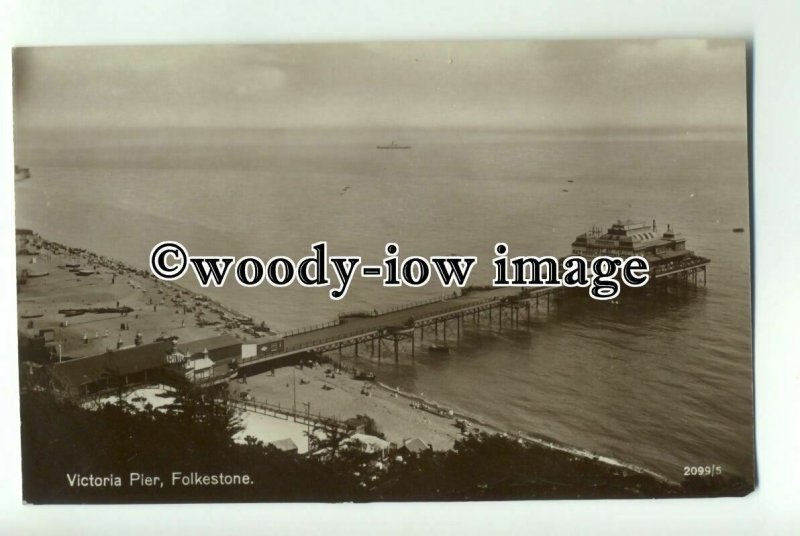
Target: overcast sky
<point x="557" y="84"/>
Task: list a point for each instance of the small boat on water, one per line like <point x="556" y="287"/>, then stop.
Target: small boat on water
<point x="85" y="272"/>
<point x="393" y="145"/>
<point x="439" y="348"/>
<point x="738" y="229"/>
<point x="365" y="376"/>
<point x="21" y="173"/>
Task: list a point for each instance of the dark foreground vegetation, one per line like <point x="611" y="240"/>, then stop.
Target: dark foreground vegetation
<point x="195" y="435"/>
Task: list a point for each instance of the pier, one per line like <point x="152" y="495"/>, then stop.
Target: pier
<point x="432" y="324"/>
<point x="382" y="335"/>
<point x="370" y="335"/>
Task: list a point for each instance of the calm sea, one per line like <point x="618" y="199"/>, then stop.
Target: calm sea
<point x="662" y="385"/>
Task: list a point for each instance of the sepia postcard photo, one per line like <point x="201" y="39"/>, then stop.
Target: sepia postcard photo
<point x="237" y="271"/>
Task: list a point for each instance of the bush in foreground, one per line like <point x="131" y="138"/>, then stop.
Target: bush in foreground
<point x="195" y="435"/>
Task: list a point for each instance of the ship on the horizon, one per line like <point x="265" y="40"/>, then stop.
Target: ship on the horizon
<point x="393" y="145"/>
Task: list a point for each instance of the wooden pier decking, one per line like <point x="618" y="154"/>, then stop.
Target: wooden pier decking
<point x="408" y="323"/>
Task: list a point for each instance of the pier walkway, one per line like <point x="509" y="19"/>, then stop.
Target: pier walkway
<point x="406" y="324"/>
<point x="402" y="324"/>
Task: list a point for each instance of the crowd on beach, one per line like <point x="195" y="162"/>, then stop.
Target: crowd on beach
<point x="179" y="297"/>
<point x="208" y="313"/>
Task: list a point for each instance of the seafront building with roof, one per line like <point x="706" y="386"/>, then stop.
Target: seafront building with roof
<point x="666" y="253"/>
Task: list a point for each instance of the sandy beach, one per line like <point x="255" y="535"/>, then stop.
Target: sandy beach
<point x="398" y="415"/>
<point x="152" y="308"/>
<point x="342" y="397"/>
<point x="143" y="305"/>
<point x="158" y="309"/>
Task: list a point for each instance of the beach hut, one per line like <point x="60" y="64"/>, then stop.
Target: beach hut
<point x="47" y="335"/>
<point x="357" y="425"/>
<point x="285" y="445"/>
<point x="414" y="446"/>
<point x="199" y="369"/>
<point x="368" y="443"/>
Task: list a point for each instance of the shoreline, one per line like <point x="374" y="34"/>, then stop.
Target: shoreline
<point x="416" y="421"/>
<point x="399" y="414"/>
<point x="91" y="302"/>
<point x="541" y="441"/>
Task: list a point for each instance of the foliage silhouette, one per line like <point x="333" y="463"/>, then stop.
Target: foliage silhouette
<point x="195" y="434"/>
